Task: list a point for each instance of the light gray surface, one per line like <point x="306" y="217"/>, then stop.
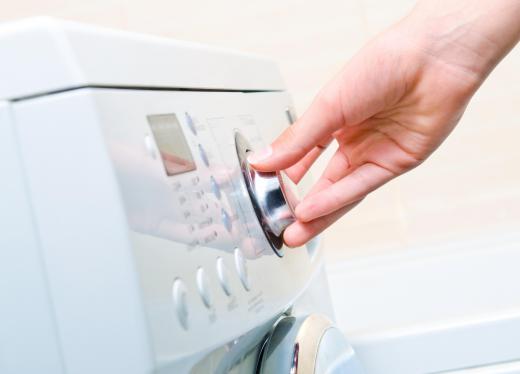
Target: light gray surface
<point x="44" y="55"/>
<point x="27" y="321"/>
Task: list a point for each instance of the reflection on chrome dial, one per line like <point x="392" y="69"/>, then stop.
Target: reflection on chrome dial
<point x="272" y="198"/>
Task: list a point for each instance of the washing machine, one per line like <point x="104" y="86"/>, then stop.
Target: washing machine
<point x="135" y="236"/>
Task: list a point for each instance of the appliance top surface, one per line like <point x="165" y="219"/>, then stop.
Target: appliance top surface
<point x="45" y="55"/>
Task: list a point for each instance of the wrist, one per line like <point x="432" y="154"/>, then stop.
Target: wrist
<point x="472" y="36"/>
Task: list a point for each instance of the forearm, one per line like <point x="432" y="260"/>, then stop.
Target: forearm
<point x="472" y="34"/>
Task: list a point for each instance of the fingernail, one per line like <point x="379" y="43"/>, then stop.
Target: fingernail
<point x="260" y="155"/>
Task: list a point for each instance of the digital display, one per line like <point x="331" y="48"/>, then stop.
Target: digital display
<point x="172" y="144"/>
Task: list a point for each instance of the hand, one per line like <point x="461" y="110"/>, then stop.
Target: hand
<point x="388" y="110"/>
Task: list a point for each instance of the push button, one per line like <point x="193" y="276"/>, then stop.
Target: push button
<point x="203" y="155"/>
<point x="240" y="264"/>
<point x="215" y="188"/>
<point x="290" y="116"/>
<point x="223" y="276"/>
<point x="180" y="301"/>
<point x="191" y="124"/>
<point x="226" y="220"/>
<point x="203" y="286"/>
<point x="150" y="146"/>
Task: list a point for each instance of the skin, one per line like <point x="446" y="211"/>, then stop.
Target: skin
<point x="392" y="105"/>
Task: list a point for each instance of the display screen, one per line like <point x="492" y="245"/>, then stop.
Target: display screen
<point x="172" y="144"/>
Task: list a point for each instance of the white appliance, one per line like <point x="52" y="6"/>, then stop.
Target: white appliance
<point x="131" y="241"/>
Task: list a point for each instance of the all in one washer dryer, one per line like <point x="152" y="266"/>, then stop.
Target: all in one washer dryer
<point x="135" y="236"/>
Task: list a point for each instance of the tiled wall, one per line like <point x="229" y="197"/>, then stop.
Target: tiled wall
<point x="471" y="186"/>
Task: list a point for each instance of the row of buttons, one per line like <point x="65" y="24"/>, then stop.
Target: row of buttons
<point x="198" y="193"/>
<point x="191" y="125"/>
<point x="214" y="186"/>
<point x="215" y="189"/>
<point x="180" y="293"/>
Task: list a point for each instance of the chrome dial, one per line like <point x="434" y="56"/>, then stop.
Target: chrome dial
<point x="271" y="195"/>
<point x="307" y="345"/>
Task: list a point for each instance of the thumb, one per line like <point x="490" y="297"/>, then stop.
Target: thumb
<point x="321" y="119"/>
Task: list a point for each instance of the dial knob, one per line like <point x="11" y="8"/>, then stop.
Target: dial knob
<point x="272" y="194"/>
<point x="307" y="345"/>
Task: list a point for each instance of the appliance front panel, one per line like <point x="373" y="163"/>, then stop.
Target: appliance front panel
<point x="203" y="261"/>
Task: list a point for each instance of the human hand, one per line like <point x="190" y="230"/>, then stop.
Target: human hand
<point x="391" y="106"/>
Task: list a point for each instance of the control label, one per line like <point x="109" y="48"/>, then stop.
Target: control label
<point x="256" y="303"/>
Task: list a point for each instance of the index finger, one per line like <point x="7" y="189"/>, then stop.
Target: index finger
<point x="323" y="117"/>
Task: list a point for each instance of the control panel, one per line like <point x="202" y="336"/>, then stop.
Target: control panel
<point x="206" y="228"/>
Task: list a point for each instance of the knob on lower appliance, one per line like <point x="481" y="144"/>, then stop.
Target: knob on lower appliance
<point x="307" y="345"/>
<point x="271" y="194"/>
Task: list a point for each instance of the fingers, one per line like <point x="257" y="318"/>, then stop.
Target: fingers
<point x="298" y="170"/>
<point x="322" y="118"/>
<point x="337" y="168"/>
<point x="300" y="233"/>
<point x="351" y="188"/>
<point x="353" y="96"/>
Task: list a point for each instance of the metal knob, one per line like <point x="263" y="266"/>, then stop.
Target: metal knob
<point x="271" y="194"/>
<point x="307" y="345"/>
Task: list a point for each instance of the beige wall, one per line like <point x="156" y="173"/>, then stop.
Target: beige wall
<point x="471" y="186"/>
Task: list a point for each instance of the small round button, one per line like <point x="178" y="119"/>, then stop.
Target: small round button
<point x="180" y="296"/>
<point x="203" y="155"/>
<point x="226" y="220"/>
<point x="150" y="146"/>
<point x="191" y="124"/>
<point x="240" y="264"/>
<point x="203" y="286"/>
<point x="215" y="188"/>
<point x="223" y="276"/>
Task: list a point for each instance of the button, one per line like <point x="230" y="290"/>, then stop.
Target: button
<point x="215" y="188"/>
<point x="290" y="116"/>
<point x="240" y="264"/>
<point x="226" y="220"/>
<point x="177" y="186"/>
<point x="203" y="286"/>
<point x="195" y="180"/>
<point x="203" y="155"/>
<point x="180" y="296"/>
<point x="190" y="123"/>
<point x="150" y="146"/>
<point x="223" y="276"/>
